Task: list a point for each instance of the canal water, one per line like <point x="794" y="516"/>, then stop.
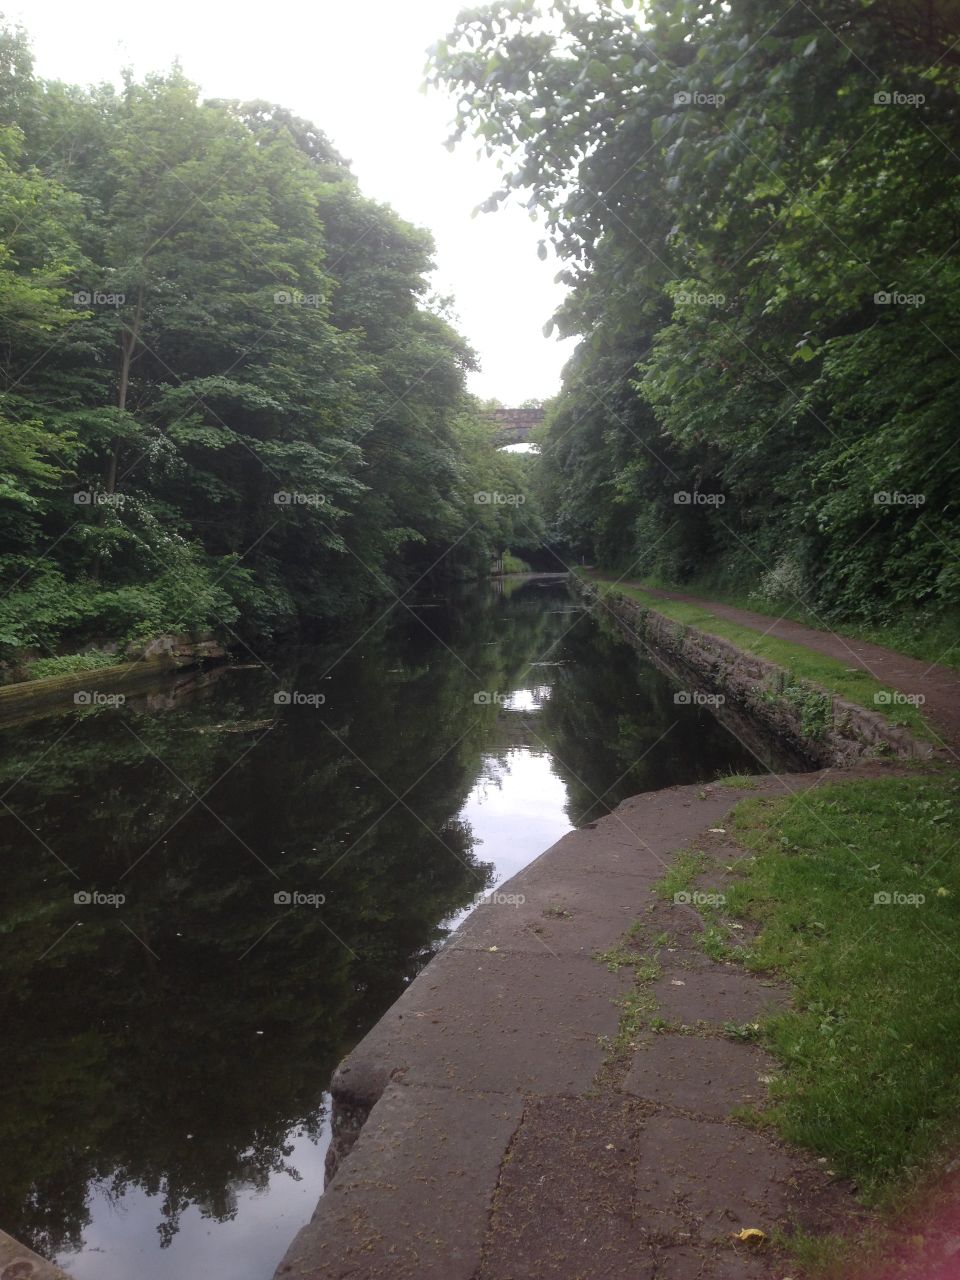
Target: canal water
<point x="211" y="893"/>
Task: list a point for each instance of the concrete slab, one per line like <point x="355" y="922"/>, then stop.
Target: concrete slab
<point x="564" y="1207"/>
<point x="708" y="1079"/>
<point x="715" y="995"/>
<point x="491" y="1021"/>
<point x="413" y="1198"/>
<point x="705" y="1181"/>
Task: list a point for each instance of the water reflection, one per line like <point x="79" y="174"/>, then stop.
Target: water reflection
<point x="166" y="1056"/>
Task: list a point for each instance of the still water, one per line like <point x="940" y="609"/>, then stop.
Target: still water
<point x="209" y="896"/>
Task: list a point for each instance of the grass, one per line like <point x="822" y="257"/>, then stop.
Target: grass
<point x="637" y="1006"/>
<point x="802" y="666"/>
<point x="68" y="663"/>
<point x="679" y="876"/>
<point x="736" y="781"/>
<point x="871" y="1051"/>
<point x="919" y="636"/>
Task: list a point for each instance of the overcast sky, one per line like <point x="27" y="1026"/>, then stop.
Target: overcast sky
<point x="356" y="71"/>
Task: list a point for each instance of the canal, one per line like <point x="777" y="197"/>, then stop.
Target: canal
<point x="210" y="894"/>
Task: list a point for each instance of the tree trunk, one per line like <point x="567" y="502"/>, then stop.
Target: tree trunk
<point x="129" y="339"/>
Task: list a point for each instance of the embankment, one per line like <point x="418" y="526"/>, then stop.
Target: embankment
<point x="503" y="1120"/>
<point x="823" y="728"/>
<point x="165" y="656"/>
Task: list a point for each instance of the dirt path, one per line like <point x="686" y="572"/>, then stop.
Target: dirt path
<point x="939" y="685"/>
<point x="515" y="1130"/>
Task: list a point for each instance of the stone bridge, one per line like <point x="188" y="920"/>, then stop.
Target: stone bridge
<point x="513" y="426"/>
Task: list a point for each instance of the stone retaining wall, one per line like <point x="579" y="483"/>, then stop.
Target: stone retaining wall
<point x="821" y="726"/>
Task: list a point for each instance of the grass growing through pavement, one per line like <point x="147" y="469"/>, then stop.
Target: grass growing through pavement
<point x="871" y="1052"/>
<point x="636" y="1006"/>
<point x="801" y="664"/>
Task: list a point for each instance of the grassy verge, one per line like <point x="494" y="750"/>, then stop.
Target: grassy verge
<point x="856" y="890"/>
<point x="931" y="640"/>
<point x="800" y="664"/>
<point x="68" y="663"/>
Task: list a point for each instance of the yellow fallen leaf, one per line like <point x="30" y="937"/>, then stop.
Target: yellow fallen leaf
<point x="752" y="1235"/>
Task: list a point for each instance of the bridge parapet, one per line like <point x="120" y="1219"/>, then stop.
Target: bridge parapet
<point x="513" y="426"/>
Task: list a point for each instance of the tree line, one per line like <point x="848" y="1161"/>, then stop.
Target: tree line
<point x="227" y="397"/>
<point x="758" y="211"/>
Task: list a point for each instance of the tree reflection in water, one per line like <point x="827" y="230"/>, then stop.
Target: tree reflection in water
<point x="176" y="1044"/>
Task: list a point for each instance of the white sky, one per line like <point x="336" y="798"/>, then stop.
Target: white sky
<point x="356" y="71"/>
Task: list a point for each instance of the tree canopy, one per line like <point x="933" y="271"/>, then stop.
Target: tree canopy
<point x="758" y="209"/>
<point x="225" y="397"/>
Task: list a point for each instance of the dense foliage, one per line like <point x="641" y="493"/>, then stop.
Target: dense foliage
<point x="226" y="398"/>
<point x="758" y="206"/>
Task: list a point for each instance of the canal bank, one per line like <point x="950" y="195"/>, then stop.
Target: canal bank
<point x="564" y="1091"/>
<point x="503" y="1120"/>
<point x="809" y="715"/>
<point x="180" y="1129"/>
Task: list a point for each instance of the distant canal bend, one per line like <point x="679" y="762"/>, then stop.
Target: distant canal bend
<point x="209" y="899"/>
